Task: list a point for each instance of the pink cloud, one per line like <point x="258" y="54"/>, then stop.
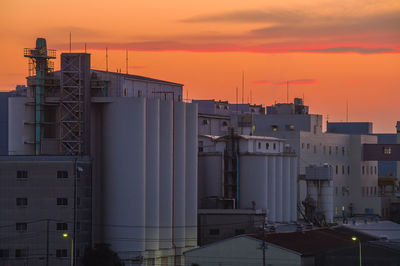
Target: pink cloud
<point x="261" y="82"/>
<point x="297" y="82"/>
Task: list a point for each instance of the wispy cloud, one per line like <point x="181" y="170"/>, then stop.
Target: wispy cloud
<point x="296" y="82"/>
<point x="261" y="82"/>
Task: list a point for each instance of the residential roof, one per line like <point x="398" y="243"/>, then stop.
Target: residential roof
<point x="308" y="242"/>
<point x="381" y="229"/>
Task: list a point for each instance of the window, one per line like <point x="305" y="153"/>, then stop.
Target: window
<point x="375" y="170"/>
<point x="226" y="107"/>
<point x="214" y="232"/>
<point x="4" y="253"/>
<point x="291" y="127"/>
<point x="239" y="231"/>
<point x="315" y="148"/>
<point x="205" y="122"/>
<point x="337" y="169"/>
<point x="274" y="128"/>
<point x="218" y="106"/>
<point x="308" y="146"/>
<point x="342" y="169"/>
<point x="125" y="92"/>
<point x="387" y="150"/>
<point x="371" y="171"/>
<point x="274" y="146"/>
<point x="337" y="149"/>
<point x="267" y="145"/>
<point x="139" y="93"/>
<point x="343" y="151"/>
<point x="60" y="253"/>
<point x="336" y="210"/>
<point x="259" y="145"/>
<point x="363" y="191"/>
<point x="22" y="174"/>
<point x="324" y="149"/>
<point x="62" y="201"/>
<point x="19" y="253"/>
<point x="21" y="227"/>
<point x="348" y="169"/>
<point x="375" y="191"/>
<point x="224" y="124"/>
<point x="302" y="145"/>
<point x="367" y="169"/>
<point x="336" y="191"/>
<point x="363" y="170"/>
<point x="62" y="174"/>
<point x="201" y="143"/>
<point x="21" y="201"/>
<point x="62" y="226"/>
<point x="330" y="150"/>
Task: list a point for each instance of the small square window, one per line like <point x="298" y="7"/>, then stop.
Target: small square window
<point x="61" y="253"/>
<point x="22" y="174"/>
<point x="4" y="253"/>
<point x="62" y="226"/>
<point x="21" y="227"/>
<point x="21" y="201"/>
<point x="62" y="201"/>
<point x="62" y="174"/>
<point x="20" y="253"/>
<point x="274" y="128"/>
<point x="387" y="150"/>
<point x="214" y="232"/>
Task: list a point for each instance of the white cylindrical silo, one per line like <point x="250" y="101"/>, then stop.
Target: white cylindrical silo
<point x="312" y="190"/>
<point x="179" y="174"/>
<point x="271" y="188"/>
<point x="327" y="200"/>
<point x="293" y="188"/>
<point x="165" y="218"/>
<point x="286" y="189"/>
<point x="253" y="182"/>
<point x="20" y="113"/>
<point x="279" y="198"/>
<point x="191" y="176"/>
<point x="124" y="154"/>
<point x="152" y="173"/>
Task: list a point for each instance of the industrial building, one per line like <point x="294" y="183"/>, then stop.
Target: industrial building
<point x="249" y="179"/>
<point x="355" y="180"/>
<point x="140" y="139"/>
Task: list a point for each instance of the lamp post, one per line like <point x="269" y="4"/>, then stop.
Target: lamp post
<point x="66" y="235"/>
<point x="359" y="244"/>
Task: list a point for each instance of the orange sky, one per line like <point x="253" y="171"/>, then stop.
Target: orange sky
<point x="332" y="51"/>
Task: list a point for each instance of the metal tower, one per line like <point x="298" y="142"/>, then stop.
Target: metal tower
<point x="39" y="60"/>
<point x="74" y="97"/>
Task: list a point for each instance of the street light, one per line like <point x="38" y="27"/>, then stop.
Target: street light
<point x="66" y="235"/>
<point x="359" y="244"/>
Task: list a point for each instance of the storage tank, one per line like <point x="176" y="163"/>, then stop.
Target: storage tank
<point x="124" y="175"/>
<point x="327" y="200"/>
<point x="165" y="206"/>
<point x="271" y="188"/>
<point x="152" y="173"/>
<point x="279" y="198"/>
<point x="179" y="173"/>
<point x="286" y="189"/>
<point x="191" y="176"/>
<point x="293" y="189"/>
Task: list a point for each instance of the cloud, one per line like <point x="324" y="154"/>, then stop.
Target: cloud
<point x="360" y="50"/>
<point x="297" y="82"/>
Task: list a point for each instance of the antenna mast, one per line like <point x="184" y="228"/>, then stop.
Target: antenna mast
<point x="126" y="61"/>
<point x="106" y="59"/>
<point x="242" y="87"/>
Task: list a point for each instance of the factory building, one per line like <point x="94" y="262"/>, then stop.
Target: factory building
<point x="248" y="172"/>
<point x="355" y="180"/>
<point x="141" y="141"/>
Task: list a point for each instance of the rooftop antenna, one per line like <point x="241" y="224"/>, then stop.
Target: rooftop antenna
<point x="106" y="59"/>
<point x="242" y="87"/>
<point x="126" y="61"/>
<point x="251" y="96"/>
<point x="237" y="98"/>
<point x="70" y="42"/>
<point x="85" y="48"/>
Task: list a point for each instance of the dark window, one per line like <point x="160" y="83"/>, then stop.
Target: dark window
<point x="22" y="201"/>
<point x="315" y="149"/>
<point x="224" y="124"/>
<point x="348" y="169"/>
<point x="259" y="145"/>
<point x="363" y="170"/>
<point x="22" y="174"/>
<point x="239" y="231"/>
<point x="62" y="201"/>
<point x="62" y="226"/>
<point x="375" y="169"/>
<point x="308" y="146"/>
<point x="62" y="174"/>
<point x="19" y="253"/>
<point x="61" y="253"/>
<point x="267" y="145"/>
<point x="274" y="146"/>
<point x="337" y="169"/>
<point x="330" y="150"/>
<point x="343" y="151"/>
<point x="201" y="149"/>
<point x="205" y="122"/>
<point x="4" y="253"/>
<point x="214" y="232"/>
<point x="21" y="227"/>
<point x="342" y="169"/>
<point x="372" y="171"/>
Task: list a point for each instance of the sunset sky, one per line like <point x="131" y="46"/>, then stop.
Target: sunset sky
<point x="332" y="52"/>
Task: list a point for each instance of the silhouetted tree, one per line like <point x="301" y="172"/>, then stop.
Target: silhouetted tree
<point x="101" y="255"/>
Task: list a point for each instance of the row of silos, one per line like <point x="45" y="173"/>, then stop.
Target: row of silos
<point x="149" y="175"/>
<point x="269" y="182"/>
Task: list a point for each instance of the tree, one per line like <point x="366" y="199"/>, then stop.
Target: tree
<point x="101" y="255"/>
